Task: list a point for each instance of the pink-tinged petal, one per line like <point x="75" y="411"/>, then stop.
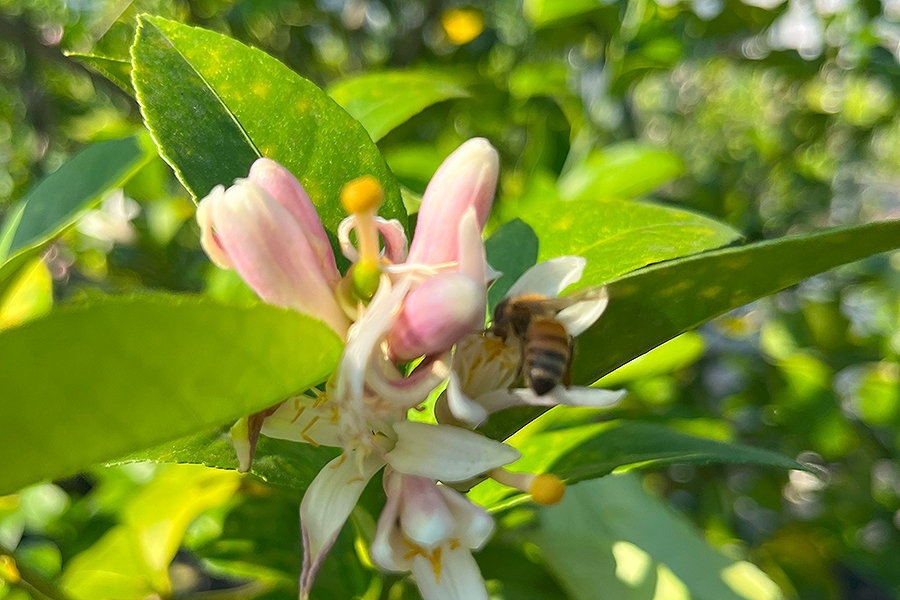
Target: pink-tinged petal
<point x="436" y="315"/>
<point x="466" y="179"/>
<point x="474" y="525"/>
<point x="208" y="238"/>
<point x="394" y="236"/>
<point x="388" y="549"/>
<point x="461" y="406"/>
<point x="326" y="506"/>
<point x="472" y="260"/>
<point x="550" y="277"/>
<point x="584" y="313"/>
<point x="424" y="516"/>
<point x="574" y="396"/>
<point x="284" y="187"/>
<point x="459" y="578"/>
<point x="446" y="453"/>
<point x="408" y="391"/>
<point x="271" y="252"/>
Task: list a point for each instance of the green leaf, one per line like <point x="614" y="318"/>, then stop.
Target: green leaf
<point x="611" y="535"/>
<point x="116" y="70"/>
<point x="382" y="101"/>
<point x="545" y="12"/>
<point x="621" y="171"/>
<point x="280" y="462"/>
<point x="549" y="444"/>
<point x="658" y="303"/>
<point x="512" y="250"/>
<point x="675" y="354"/>
<point x="59" y="199"/>
<point x="28" y="295"/>
<point x="214" y="105"/>
<point x="131" y="373"/>
<point x="617" y="236"/>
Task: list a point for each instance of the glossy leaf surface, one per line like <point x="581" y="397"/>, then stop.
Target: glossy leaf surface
<point x="382" y="101"/>
<point x="214" y="105"/>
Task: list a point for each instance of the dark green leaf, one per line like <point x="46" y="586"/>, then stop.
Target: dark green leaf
<point x="382" y="101"/>
<point x="214" y="105"/>
<point x="656" y="304"/>
<point x="280" y="462"/>
<point x="93" y="383"/>
<point x="512" y="250"/>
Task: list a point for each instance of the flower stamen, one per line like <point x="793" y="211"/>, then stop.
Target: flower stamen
<point x="545" y="489"/>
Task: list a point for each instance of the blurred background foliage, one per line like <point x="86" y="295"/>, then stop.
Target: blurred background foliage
<point x="776" y="117"/>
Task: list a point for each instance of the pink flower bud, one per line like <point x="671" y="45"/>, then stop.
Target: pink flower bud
<point x="252" y="232"/>
<point x="436" y="315"/>
<point x="466" y="179"/>
<point x="284" y="187"/>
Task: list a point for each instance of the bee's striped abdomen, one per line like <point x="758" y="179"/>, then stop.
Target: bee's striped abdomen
<point x="546" y="354"/>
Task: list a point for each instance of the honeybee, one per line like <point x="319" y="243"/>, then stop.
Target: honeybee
<point x="546" y="346"/>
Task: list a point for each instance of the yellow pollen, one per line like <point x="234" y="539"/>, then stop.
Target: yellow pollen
<point x="454" y="544"/>
<point x="363" y="194"/>
<point x="310" y="441"/>
<point x="340" y="462"/>
<point x="547" y="489"/>
<point x="320" y="400"/>
<point x="335" y="414"/>
<point x="300" y="411"/>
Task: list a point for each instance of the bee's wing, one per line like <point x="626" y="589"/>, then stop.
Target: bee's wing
<point x="582" y="308"/>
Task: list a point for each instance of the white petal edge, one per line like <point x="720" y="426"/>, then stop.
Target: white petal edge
<point x="446" y="453"/>
<point x="461" y="406"/>
<point x="549" y="277"/>
<point x="460" y="578"/>
<point x="581" y="315"/>
<point x="474" y="525"/>
<point x="587" y="397"/>
<point x="388" y="550"/>
<point x="327" y="504"/>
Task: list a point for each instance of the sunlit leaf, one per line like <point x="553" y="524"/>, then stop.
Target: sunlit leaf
<point x="132" y="559"/>
<point x="617" y="236"/>
<point x="382" y="101"/>
<point x="621" y="171"/>
<point x="214" y="105"/>
<point x="545" y="12"/>
<point x="637" y="549"/>
<point x="29" y="295"/>
<point x="512" y="250"/>
<point x="123" y="374"/>
<point x="116" y="70"/>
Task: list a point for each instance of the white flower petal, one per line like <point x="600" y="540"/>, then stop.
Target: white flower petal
<point x="424" y="516"/>
<point x="394" y="236"/>
<point x="581" y="315"/>
<point x="549" y="277"/>
<point x="294" y="421"/>
<point x="446" y="453"/>
<point x="474" y="525"/>
<point x="573" y="396"/>
<point x="459" y="579"/>
<point x="472" y="261"/>
<point x="343" y="232"/>
<point x="388" y="550"/>
<point x="325" y="508"/>
<point x="461" y="406"/>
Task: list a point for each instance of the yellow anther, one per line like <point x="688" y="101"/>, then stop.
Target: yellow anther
<point x="297" y="416"/>
<point x="547" y="489"/>
<point x="340" y="462"/>
<point x="309" y="425"/>
<point x="8" y="570"/>
<point x="335" y="414"/>
<point x="363" y="194"/>
<point x="366" y="276"/>
<point x="435" y="559"/>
